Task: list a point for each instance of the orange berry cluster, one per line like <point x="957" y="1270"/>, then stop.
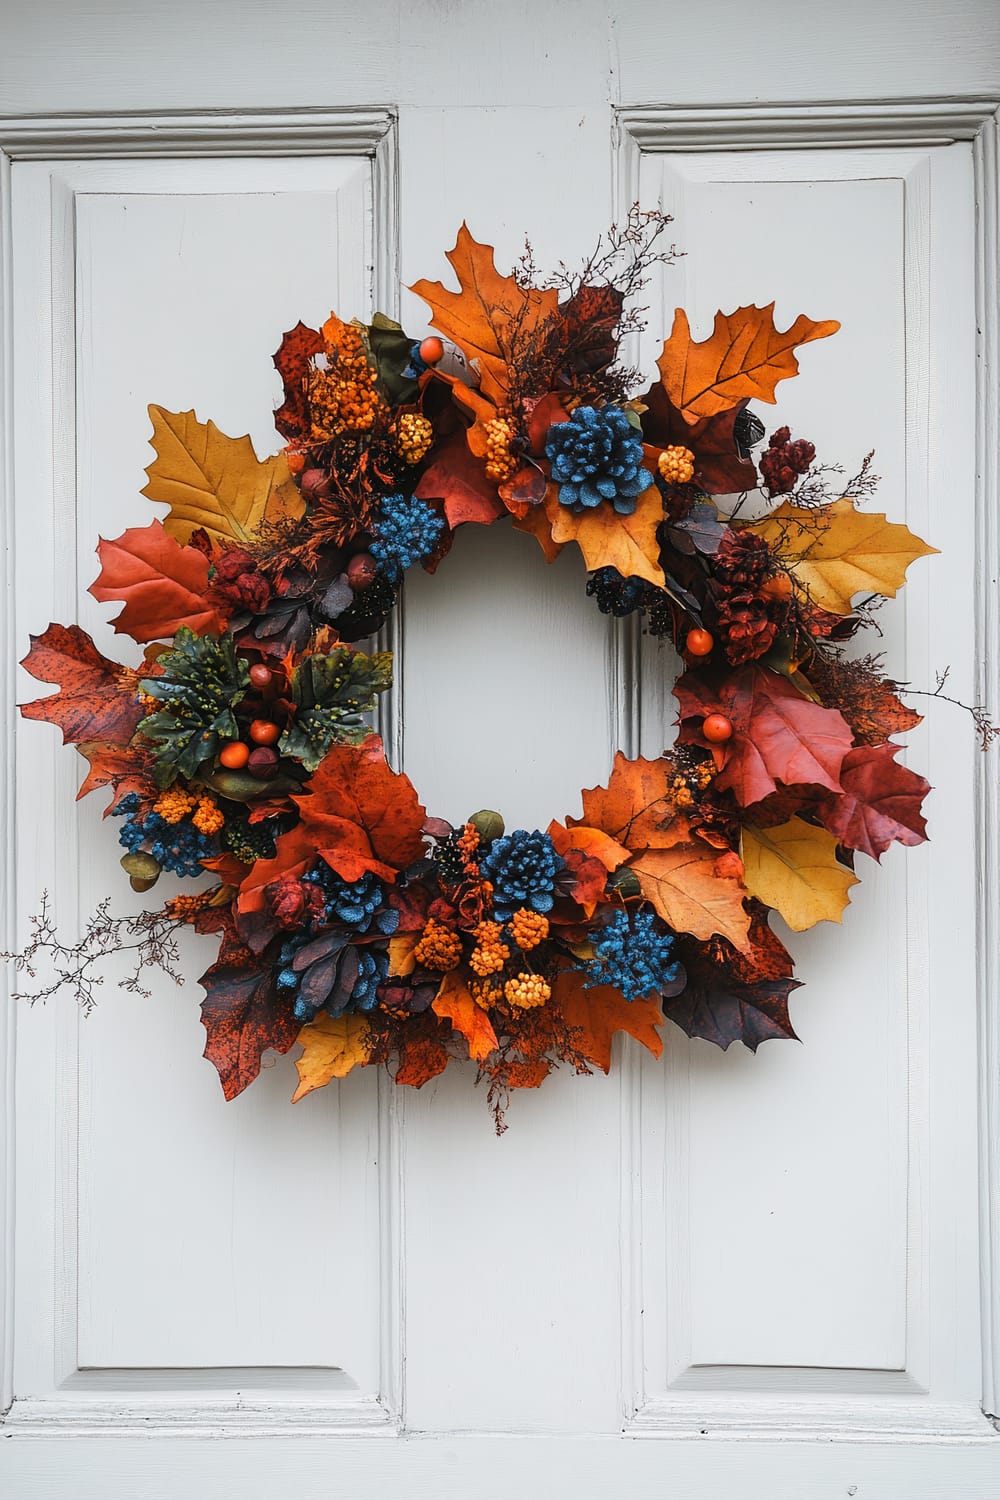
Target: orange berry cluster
<point x="491" y="952"/>
<point x="175" y="804"/>
<point x="438" y="948"/>
<point x="676" y="465"/>
<point x="468" y="847"/>
<point x="500" y="462"/>
<point x="683" y="784"/>
<point x="528" y="929"/>
<point x="344" y="397"/>
<point x="526" y="991"/>
<point x="181" y="908"/>
<point x="414" y="435"/>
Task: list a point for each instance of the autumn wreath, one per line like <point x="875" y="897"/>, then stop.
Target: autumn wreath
<point x="349" y="920"/>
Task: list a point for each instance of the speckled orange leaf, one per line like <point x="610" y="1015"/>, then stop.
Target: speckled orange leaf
<point x="90" y="704"/>
<point x="332" y="1046"/>
<point x="454" y="1003"/>
<point x="214" y="482"/>
<point x="743" y="358"/>
<point x="599" y="1012"/>
<point x="488" y="315"/>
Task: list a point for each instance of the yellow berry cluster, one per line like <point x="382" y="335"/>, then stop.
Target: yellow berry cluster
<point x="528" y="929"/>
<point x="676" y="465"/>
<point x="500" y="462"/>
<point x="438" y="948"/>
<point x="414" y="435"/>
<point x="491" y="952"/>
<point x="343" y="397"/>
<point x="175" y="804"/>
<point x="526" y="991"/>
<point x="684" y="784"/>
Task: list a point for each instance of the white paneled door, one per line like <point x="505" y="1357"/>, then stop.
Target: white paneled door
<point x="719" y="1275"/>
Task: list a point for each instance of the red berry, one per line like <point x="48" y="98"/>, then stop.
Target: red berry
<point x="729" y="866"/>
<point x="263" y="763"/>
<point x="431" y="350"/>
<point x="234" y="755"/>
<point x="260" y="676"/>
<point x="361" y="571"/>
<point x="263" y="732"/>
<point x="699" y="643"/>
<point x="717" y="729"/>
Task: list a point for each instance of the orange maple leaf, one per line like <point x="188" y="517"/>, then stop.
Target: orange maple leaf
<point x="90" y="704"/>
<point x="636" y="807"/>
<point x="163" y="585"/>
<point x="124" y="768"/>
<point x="744" y="358"/>
<point x="489" y="316"/>
<point x="455" y="1003"/>
<point x="360" y="814"/>
<point x="687" y="893"/>
<point x="597" y="1013"/>
<point x="606" y="539"/>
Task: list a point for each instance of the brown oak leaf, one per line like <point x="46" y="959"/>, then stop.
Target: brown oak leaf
<point x="723" y="1009"/>
<point x="867" y="700"/>
<point x="244" y="1016"/>
<point x="690" y="895"/>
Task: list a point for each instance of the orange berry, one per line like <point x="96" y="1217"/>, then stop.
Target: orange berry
<point x="234" y="755"/>
<point x="263" y="732"/>
<point x="296" y="462"/>
<point x="431" y="350"/>
<point x="699" y="643"/>
<point x="717" y="729"/>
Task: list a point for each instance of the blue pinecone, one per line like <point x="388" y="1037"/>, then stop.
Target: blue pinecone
<point x="595" y="456"/>
<point x="522" y="867"/>
<point x="406" y="532"/>
<point x="633" y="957"/>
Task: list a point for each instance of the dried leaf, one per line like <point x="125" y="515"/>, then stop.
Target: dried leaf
<point x="599" y="1012"/>
<point x="743" y="359"/>
<point x="867" y="700"/>
<point x="489" y="315"/>
<point x="331" y="1047"/>
<point x="244" y="1017"/>
<point x="794" y="868"/>
<point x="90" y="705"/>
<point x="609" y="540"/>
<point x="457" y="478"/>
<point x="213" y="482"/>
<point x="719" y="468"/>
<point x="779" y="736"/>
<point x="126" y="769"/>
<point x="292" y="361"/>
<point x="880" y="802"/>
<point x="360" y="814"/>
<point x="842" y="551"/>
<point x="422" y="1056"/>
<point x="721" y="1008"/>
<point x="682" y="885"/>
<point x="163" y="585"/>
<point x="636" y="807"/>
<point x="454" y="1003"/>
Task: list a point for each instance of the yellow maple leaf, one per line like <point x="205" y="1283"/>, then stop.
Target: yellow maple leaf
<point x="213" y="481"/>
<point x="610" y="540"/>
<point x="682" y="884"/>
<point x="743" y="357"/>
<point x="333" y="1046"/>
<point x="490" y="317"/>
<point x="794" y="868"/>
<point x="842" y="551"/>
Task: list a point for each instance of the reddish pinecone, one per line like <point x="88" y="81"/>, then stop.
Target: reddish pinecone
<point x="783" y="462"/>
<point x="744" y="627"/>
<point x="742" y="562"/>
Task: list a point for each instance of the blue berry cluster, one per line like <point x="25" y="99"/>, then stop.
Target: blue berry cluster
<point x="342" y="977"/>
<point x="406" y="532"/>
<point x="633" y="956"/>
<point x="177" y="847"/>
<point x="597" y="455"/>
<point x="522" y="867"/>
<point x="616" y="595"/>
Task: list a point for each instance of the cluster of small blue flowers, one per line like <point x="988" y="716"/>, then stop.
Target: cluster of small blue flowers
<point x="633" y="957"/>
<point x="353" y="979"/>
<point x="616" y="595"/>
<point x="597" y="455"/>
<point x="522" y="868"/>
<point x="177" y="847"/>
<point x="407" y="531"/>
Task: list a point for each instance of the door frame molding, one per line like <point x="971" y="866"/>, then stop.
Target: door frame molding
<point x="908" y="122"/>
<point x="88" y="1400"/>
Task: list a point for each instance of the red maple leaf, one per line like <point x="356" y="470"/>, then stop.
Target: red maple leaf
<point x="244" y="1017"/>
<point x="880" y="803"/>
<point x="779" y="737"/>
<point x="125" y="769"/>
<point x="163" y="585"/>
<point x="297" y="348"/>
<point x="719" y="468"/>
<point x="458" y="479"/>
<point x="90" y="704"/>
